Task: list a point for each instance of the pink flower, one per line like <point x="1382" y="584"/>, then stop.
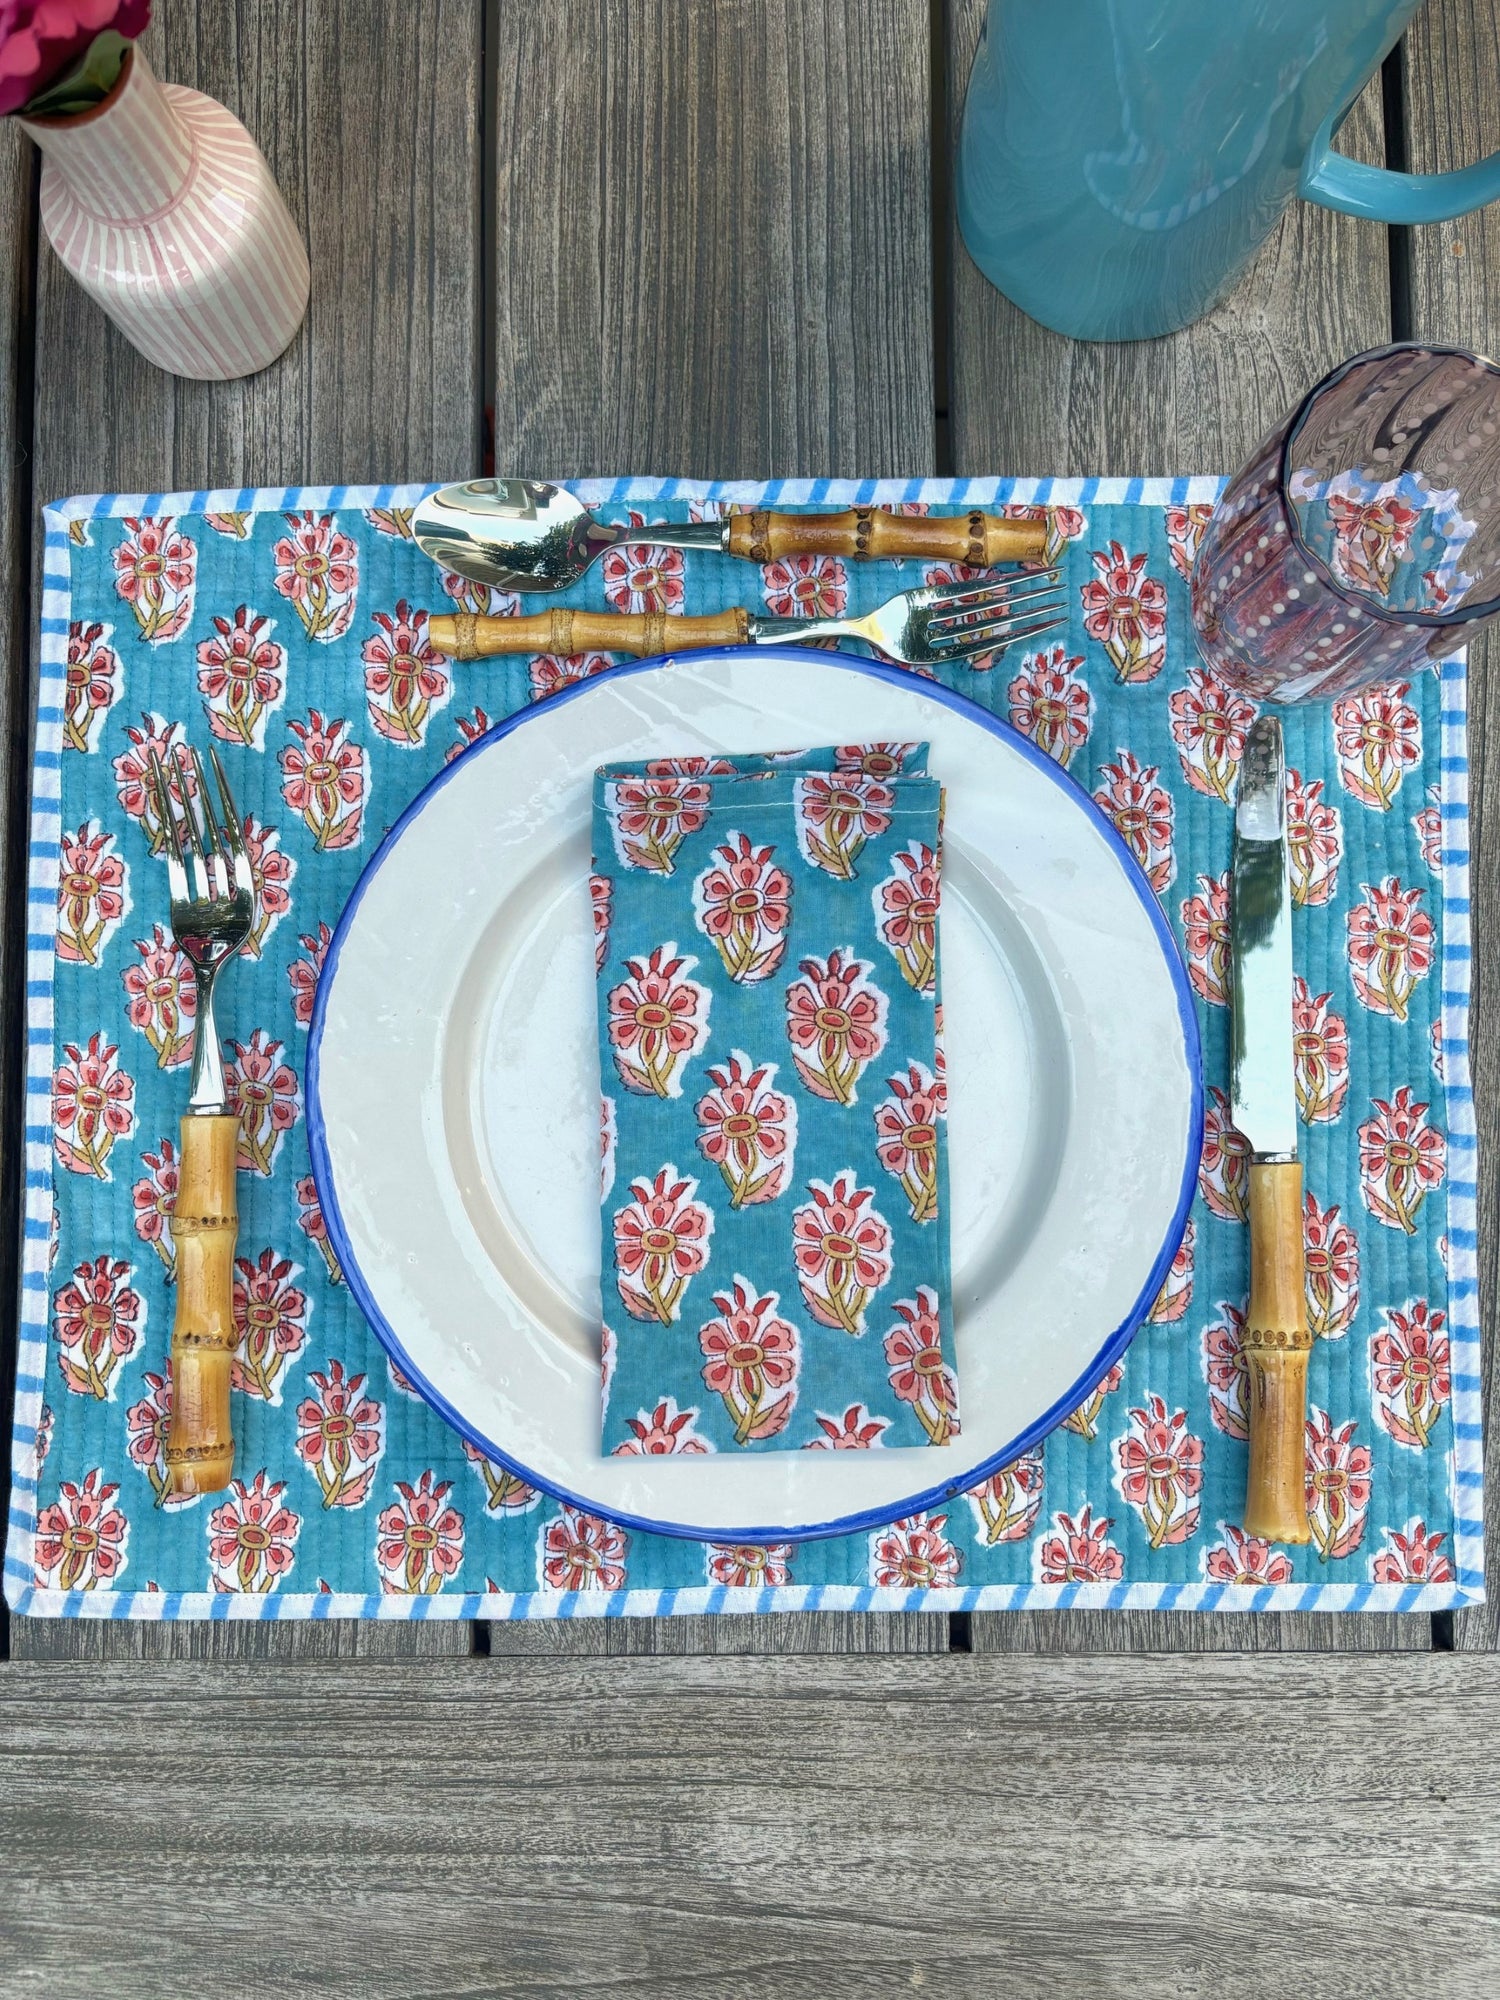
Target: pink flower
<point x="1224" y="1170"/>
<point x="263" y="1092"/>
<point x="1338" y="1485"/>
<point x="906" y="912"/>
<point x="747" y="1130"/>
<point x="91" y="894"/>
<point x="640" y="576"/>
<point x="663" y="1432"/>
<point x="162" y="997"/>
<point x="271" y="1315"/>
<point x="242" y="676"/>
<point x="98" y="1321"/>
<point x="743" y="901"/>
<point x="155" y="568"/>
<point x="1410" y="1369"/>
<point x="92" y="685"/>
<point x="1126" y="611"/>
<point x="1006" y="1505"/>
<point x="506" y="1492"/>
<point x="1392" y="943"/>
<point x="881" y="761"/>
<point x="1320" y="1050"/>
<point x="1242" y="1558"/>
<point x="135" y="793"/>
<point x="310" y="1222"/>
<point x="40" y="40"/>
<point x="271" y="871"/>
<point x="1084" y="1420"/>
<point x="1185" y="528"/>
<point x="1176" y="1294"/>
<point x="340" y="1435"/>
<point x="1227" y="1373"/>
<point x="836" y="814"/>
<point x="835" y="1021"/>
<point x="906" y="1138"/>
<point x="303" y="974"/>
<point x="1161" y="1472"/>
<point x="326" y="778"/>
<point x="918" y="1373"/>
<point x="805" y="587"/>
<point x="153" y="1198"/>
<point x="751" y="1359"/>
<point x="1331" y="1269"/>
<point x="404" y="680"/>
<point x="582" y="1552"/>
<point x="744" y="1566"/>
<point x="81" y="1536"/>
<point x="148" y="1424"/>
<point x="1401" y="1159"/>
<point x="1080" y="1552"/>
<point x="855" y="1430"/>
<point x="914" y="1554"/>
<point x="419" y="1538"/>
<point x="1205" y="931"/>
<point x="1429" y="828"/>
<point x="1142" y="814"/>
<point x="1378" y="736"/>
<point x="601" y="897"/>
<point x="252" y="1537"/>
<point x="1314" y="838"/>
<point x="1414" y="1556"/>
<point x="841" y="1246"/>
<point x="470" y="729"/>
<point x="1371" y="537"/>
<point x="92" y="1106"/>
<point x="658" y="1020"/>
<point x="1209" y="727"/>
<point x="649" y="818"/>
<point x="661" y="1242"/>
<point x="551" y="672"/>
<point x="317" y="568"/>
<point x="1050" y="704"/>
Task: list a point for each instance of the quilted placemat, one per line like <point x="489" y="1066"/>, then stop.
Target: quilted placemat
<point x="292" y="623"/>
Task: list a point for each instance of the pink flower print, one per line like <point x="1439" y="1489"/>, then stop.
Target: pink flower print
<point x="81" y="1536"/>
<point x="1412" y="1555"/>
<point x="944" y="574"/>
<point x="1331" y="1269"/>
<point x="146" y="1426"/>
<point x="640" y="576"/>
<point x="1176" y="1294"/>
<point x="1126" y="611"/>
<point x="663" y="1432"/>
<point x="1185" y="530"/>
<point x="661" y="1242"/>
<point x="131" y="767"/>
<point x="93" y="894"/>
<point x="162" y="997"/>
<point x="1209" y="726"/>
<point x="155" y="569"/>
<point x="601" y="897"/>
<point x="1205" y="933"/>
<point x="608" y="1140"/>
<point x="44" y="1424"/>
<point x="582" y="1552"/>
<point x="271" y="871"/>
<point x="906" y="914"/>
<point x="326" y="778"/>
<point x="92" y="686"/>
<point x="854" y="1430"/>
<point x="99" y="1321"/>
<point x="1338" y="1486"/>
<point x="1401" y="1159"/>
<point x="1435" y="1036"/>
<point x="234" y="525"/>
<point x="751" y="1359"/>
<point x="549" y="673"/>
<point x="1410" y="1371"/>
<point x="484" y="599"/>
<point x="263" y="1092"/>
<point x="271" y="1314"/>
<point x="153" y="1198"/>
<point x="835" y="1021"/>
<point x="747" y="1129"/>
<point x="340" y="1435"/>
<point x="841" y="1245"/>
<point x="242" y="677"/>
<point x="1142" y="814"/>
<point x="1314" y="839"/>
<point x="805" y="587"/>
<point x="93" y="1104"/>
<point x="918" y="1373"/>
<point x="419" y="1538"/>
<point x="317" y="568"/>
<point x="1161" y="1472"/>
<point x="746" y="1566"/>
<point x="836" y="814"/>
<point x="252" y="1537"/>
<point x="1006" y="1505"/>
<point x="1080" y="1551"/>
<point x="1227" y="1373"/>
<point x="914" y="1554"/>
<point x="658" y="1020"/>
<point x="470" y="729"/>
<point x="1429" y="829"/>
<point x="880" y="761"/>
<point x="1391" y="946"/>
<point x="1084" y="1421"/>
<point x="1224" y="1170"/>
<point x="906" y="1138"/>
<point x="1049" y="703"/>
<point x="310" y="1222"/>
<point x="1065" y="524"/>
<point x="1370" y="538"/>
<point x="1320" y="1051"/>
<point x="1378" y="736"/>
<point x="743" y="902"/>
<point x="404" y="679"/>
<point x="392" y="521"/>
<point x="1246" y="1559"/>
<point x="649" y="818"/>
<point x="505" y="1491"/>
<point x="689" y="767"/>
<point x="303" y="974"/>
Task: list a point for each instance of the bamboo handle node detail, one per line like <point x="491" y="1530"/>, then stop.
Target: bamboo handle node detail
<point x="1277" y="1343"/>
<point x="870" y="533"/>
<point x="205" y="1221"/>
<point x="465" y="636"/>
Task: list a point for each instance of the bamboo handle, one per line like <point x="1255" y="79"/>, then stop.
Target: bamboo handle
<point x="200" y="1443"/>
<point x="1277" y="1344"/>
<point x="868" y="533"/>
<point x="467" y="637"/>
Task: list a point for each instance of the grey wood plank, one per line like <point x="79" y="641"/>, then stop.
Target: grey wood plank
<point x="1026" y="400"/>
<point x="369" y="117"/>
<point x="1223" y="1827"/>
<point x="1451" y="76"/>
<point x="775" y="1632"/>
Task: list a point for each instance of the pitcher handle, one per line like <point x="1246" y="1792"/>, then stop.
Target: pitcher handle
<point x="1382" y="195"/>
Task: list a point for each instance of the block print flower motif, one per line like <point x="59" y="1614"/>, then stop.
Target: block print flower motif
<point x="81" y="1536"/>
<point x="1338" y="1485"/>
<point x="880" y="761"/>
<point x="304" y="973"/>
<point x="505" y="1491"/>
<point x="92" y="685"/>
<point x="1142" y="814"/>
<point x="650" y="817"/>
<point x="1126" y="611"/>
<point x="1160" y="1465"/>
<point x="1209" y="726"/>
<point x="317" y="569"/>
<point x="1410" y="1372"/>
<point x="1224" y="1170"/>
<point x="93" y="1105"/>
<point x="470" y="729"/>
<point x="1435" y="1036"/>
<point x="906" y="914"/>
<point x="153" y="1198"/>
<point x="1314" y="839"/>
<point x="93" y="894"/>
<point x="853" y="1430"/>
<point x="1246" y="1559"/>
<point x="392" y="521"/>
<point x="906" y="1137"/>
<point x="234" y="525"/>
<point x="99" y="1320"/>
<point x="550" y="673"/>
<point x="271" y="871"/>
<point x="1401" y="1159"/>
<point x="252" y="1536"/>
<point x="404" y="679"/>
<point x="146" y="1425"/>
<point x="918" y="1373"/>
<point x="608" y="1141"/>
<point x="601" y="899"/>
<point x="641" y="576"/>
<point x="1320" y="1051"/>
<point x="582" y="1552"/>
<point x="1331" y="1269"/>
<point x="805" y="587"/>
<point x="747" y="1129"/>
<point x="747" y="1566"/>
<point x="752" y="1358"/>
<point x="1006" y="1505"/>
<point x="661" y="1239"/>
<point x="1429" y="830"/>
<point x="1378" y="737"/>
<point x="1370" y="538"/>
<point x="1227" y="1373"/>
<point x="1084" y="1421"/>
<point x="742" y="902"/>
<point x="156" y="567"/>
<point x="161" y="997"/>
<point x="1049" y="702"/>
<point x="836" y="814"/>
<point x="1205" y="933"/>
<point x="658" y="1020"/>
<point x="44" y="1426"/>
<point x="419" y="1538"/>
<point x="1185" y="530"/>
<point x="663" y="1432"/>
<point x="1176" y="1294"/>
<point x="340" y="1435"/>
<point x="132" y="784"/>
<point x="836" y="1023"/>
<point x="263" y="1093"/>
<point x="1412" y="1555"/>
<point x="241" y="676"/>
<point x="1080" y="1551"/>
<point x="271" y="1315"/>
<point x="841" y="1245"/>
<point x="310" y="1222"/>
<point x="1392" y="943"/>
<point x="325" y="776"/>
<point x="914" y="1554"/>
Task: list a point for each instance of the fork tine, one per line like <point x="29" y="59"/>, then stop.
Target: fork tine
<point x="175" y="851"/>
<point x="972" y="650"/>
<point x="943" y="612"/>
<point x="232" y="834"/>
<point x="1034" y="605"/>
<point x="942" y="596"/>
<point x="202" y="880"/>
<point x="218" y="854"/>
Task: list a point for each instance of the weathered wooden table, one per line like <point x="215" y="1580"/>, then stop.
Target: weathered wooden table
<point x="714" y="236"/>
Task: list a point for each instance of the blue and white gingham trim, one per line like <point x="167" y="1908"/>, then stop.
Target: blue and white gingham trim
<point x="1463" y="1281"/>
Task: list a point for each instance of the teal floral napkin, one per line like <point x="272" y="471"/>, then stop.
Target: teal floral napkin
<point x="775" y="1230"/>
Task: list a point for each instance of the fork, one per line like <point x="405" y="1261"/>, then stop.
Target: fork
<point x="936" y="625"/>
<point x="213" y="908"/>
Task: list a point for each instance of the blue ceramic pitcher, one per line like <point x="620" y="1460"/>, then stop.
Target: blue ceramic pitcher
<point x="1122" y="160"/>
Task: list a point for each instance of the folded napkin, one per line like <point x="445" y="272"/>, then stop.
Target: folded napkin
<point x="775" y="1235"/>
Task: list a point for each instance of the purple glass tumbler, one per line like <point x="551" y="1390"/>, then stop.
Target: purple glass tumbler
<point x="1362" y="541"/>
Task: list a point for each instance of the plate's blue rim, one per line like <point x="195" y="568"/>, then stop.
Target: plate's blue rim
<point x="1113" y="1347"/>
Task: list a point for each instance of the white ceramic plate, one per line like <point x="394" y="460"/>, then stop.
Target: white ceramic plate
<point x="453" y="1089"/>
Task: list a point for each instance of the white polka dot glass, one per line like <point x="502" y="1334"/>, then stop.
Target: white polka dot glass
<point x="1362" y="541"/>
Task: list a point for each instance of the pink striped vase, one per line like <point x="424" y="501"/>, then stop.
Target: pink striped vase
<point x="163" y="208"/>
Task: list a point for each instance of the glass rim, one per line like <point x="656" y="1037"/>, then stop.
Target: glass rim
<point x="1461" y="614"/>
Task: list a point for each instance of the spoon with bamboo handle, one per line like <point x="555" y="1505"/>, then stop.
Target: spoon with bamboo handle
<point x="521" y="534"/>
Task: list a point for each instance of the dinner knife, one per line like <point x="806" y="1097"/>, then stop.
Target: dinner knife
<point x="1263" y="1099"/>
